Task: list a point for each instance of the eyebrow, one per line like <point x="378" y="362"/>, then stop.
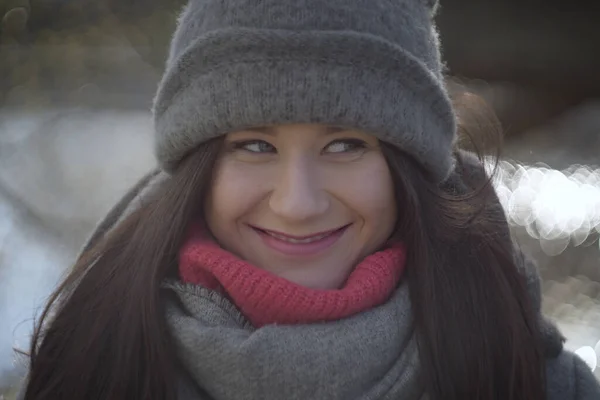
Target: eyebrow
<point x="269" y="130"/>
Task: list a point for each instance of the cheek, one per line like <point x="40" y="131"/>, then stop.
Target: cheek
<point x="235" y="189"/>
<point x="368" y="190"/>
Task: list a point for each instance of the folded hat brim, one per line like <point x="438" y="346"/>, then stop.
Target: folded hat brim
<point x="238" y="78"/>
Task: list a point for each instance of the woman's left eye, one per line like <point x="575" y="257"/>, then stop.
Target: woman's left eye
<point x="345" y="146"/>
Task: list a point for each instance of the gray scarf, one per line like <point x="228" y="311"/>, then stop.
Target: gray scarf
<point x="372" y="355"/>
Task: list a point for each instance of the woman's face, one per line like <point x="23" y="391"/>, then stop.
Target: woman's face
<point x="304" y="202"/>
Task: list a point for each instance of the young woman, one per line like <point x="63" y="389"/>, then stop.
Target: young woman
<point x="311" y="232"/>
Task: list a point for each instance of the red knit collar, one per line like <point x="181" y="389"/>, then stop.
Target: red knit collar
<point x="265" y="298"/>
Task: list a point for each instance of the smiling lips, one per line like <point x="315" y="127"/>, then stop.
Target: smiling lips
<point x="300" y="245"/>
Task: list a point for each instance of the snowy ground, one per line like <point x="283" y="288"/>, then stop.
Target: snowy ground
<point x="60" y="170"/>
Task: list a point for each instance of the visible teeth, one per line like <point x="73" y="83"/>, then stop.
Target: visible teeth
<point x="298" y="241"/>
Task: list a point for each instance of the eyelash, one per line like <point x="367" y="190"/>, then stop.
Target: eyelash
<point x="243" y="144"/>
<point x="355" y="144"/>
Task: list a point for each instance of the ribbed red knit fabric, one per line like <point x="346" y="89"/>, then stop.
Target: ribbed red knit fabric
<point x="265" y="298"/>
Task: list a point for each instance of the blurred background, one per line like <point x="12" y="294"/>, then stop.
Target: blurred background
<point x="77" y="79"/>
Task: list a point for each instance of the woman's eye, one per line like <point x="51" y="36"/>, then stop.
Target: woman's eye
<point x="254" y="146"/>
<point x="345" y="146"/>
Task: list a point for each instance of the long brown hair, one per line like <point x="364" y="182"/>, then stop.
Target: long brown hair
<point x="103" y="333"/>
<point x="476" y="326"/>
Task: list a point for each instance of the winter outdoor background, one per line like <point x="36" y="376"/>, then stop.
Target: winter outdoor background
<point x="77" y="79"/>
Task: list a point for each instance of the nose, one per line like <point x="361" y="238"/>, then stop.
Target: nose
<point x="298" y="194"/>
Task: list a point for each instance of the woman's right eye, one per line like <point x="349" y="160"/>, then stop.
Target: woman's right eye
<point x="254" y="146"/>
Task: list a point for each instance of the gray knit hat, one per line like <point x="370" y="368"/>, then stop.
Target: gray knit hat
<point x="372" y="65"/>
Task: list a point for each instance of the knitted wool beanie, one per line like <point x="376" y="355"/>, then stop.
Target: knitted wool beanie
<point x="372" y="65"/>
